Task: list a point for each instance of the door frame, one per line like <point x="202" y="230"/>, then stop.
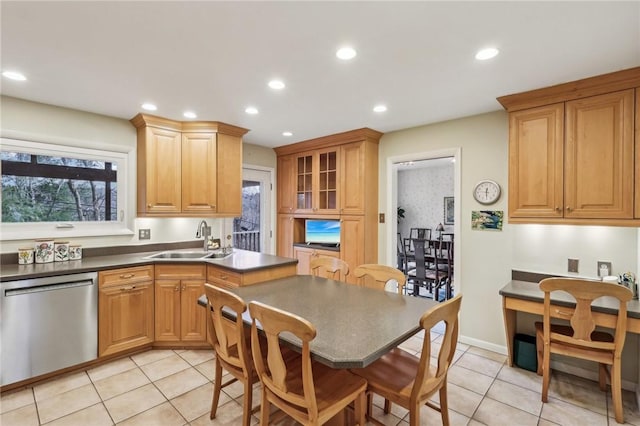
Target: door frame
<point x="392" y="202"/>
<point x="267" y="207"/>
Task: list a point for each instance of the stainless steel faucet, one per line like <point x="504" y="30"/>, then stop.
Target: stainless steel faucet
<point x="203" y="231"/>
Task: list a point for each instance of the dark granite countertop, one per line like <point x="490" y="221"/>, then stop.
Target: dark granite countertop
<point x="355" y="325"/>
<point x="526" y="290"/>
<point x="241" y="261"/>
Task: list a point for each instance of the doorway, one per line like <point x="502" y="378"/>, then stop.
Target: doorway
<point x="253" y="229"/>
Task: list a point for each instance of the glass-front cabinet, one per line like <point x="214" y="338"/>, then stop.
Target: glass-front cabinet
<point x="317" y="182"/>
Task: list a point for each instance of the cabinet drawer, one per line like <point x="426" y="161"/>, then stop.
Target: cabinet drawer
<point x="219" y="274"/>
<point x="181" y="271"/>
<point x="125" y="276"/>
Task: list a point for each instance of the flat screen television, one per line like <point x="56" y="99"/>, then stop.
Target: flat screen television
<point x="322" y="231"/>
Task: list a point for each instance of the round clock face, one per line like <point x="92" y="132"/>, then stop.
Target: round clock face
<point x="486" y="192"/>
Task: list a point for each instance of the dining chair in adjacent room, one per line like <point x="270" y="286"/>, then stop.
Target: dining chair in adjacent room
<point x="428" y="271"/>
<point x="420" y="234"/>
<point x="440" y="269"/>
<point x="232" y="347"/>
<point x="329" y="267"/>
<point x="309" y="392"/>
<point x="378" y="276"/>
<point x="410" y="381"/>
<point x="579" y="339"/>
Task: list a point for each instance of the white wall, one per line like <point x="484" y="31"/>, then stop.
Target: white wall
<point x="32" y="121"/>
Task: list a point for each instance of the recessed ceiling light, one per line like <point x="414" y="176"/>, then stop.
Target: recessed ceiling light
<point x="251" y="110"/>
<point x="149" y="107"/>
<point x="287" y="134"/>
<point x="346" y="53"/>
<point x="380" y="108"/>
<point x="487" y="53"/>
<point x="14" y="75"/>
<point x="276" y="84"/>
<point x="189" y="114"/>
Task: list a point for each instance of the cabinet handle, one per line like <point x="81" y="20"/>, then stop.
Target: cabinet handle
<point x="184" y="287"/>
<point x="148" y="206"/>
<point x="127" y="276"/>
<point x="224" y="277"/>
<point x="290" y="209"/>
<point x="133" y="287"/>
<point x="290" y="219"/>
<point x="568" y="209"/>
<point x="177" y="288"/>
<point x="557" y="209"/>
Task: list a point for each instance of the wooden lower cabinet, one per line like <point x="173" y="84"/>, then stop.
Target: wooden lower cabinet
<point x="178" y="318"/>
<point x="125" y="309"/>
<point x="305" y="254"/>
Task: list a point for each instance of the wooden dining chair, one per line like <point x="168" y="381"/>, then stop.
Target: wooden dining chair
<point x="409" y="381"/>
<point x="329" y="267"/>
<point x="579" y="339"/>
<point x="231" y="345"/>
<point x="377" y="276"/>
<point x="428" y="271"/>
<point x="309" y="392"/>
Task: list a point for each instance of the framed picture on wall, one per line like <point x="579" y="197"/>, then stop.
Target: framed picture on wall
<point x="448" y="210"/>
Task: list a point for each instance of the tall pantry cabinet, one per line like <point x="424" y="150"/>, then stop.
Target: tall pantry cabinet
<point x="332" y="177"/>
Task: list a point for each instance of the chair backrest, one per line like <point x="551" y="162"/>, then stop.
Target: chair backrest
<point x="419" y="251"/>
<point x="442" y="251"/>
<point x="420" y="233"/>
<point x="426" y="379"/>
<point x="228" y="335"/>
<point x="329" y="267"/>
<point x="379" y="275"/>
<point x="582" y="321"/>
<point x="273" y="322"/>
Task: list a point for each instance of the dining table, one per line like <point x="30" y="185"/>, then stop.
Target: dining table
<point x="355" y="325"/>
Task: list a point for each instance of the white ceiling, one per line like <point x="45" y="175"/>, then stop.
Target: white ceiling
<point x="216" y="58"/>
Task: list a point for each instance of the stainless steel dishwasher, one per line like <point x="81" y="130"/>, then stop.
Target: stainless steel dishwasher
<point x="47" y="324"/>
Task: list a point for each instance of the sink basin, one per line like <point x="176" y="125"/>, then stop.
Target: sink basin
<point x="180" y="255"/>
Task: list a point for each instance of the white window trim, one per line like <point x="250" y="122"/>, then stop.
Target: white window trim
<point x="57" y="230"/>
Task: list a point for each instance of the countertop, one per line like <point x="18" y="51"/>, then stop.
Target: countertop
<point x="241" y="261"/>
<point x="526" y="290"/>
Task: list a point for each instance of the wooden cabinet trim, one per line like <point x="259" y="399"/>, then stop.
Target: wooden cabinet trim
<point x="180" y="271"/>
<point x="331" y="140"/>
<point x="606" y="83"/>
<point x="115" y="277"/>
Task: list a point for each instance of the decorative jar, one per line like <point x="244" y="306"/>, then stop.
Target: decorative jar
<point x="75" y="252"/>
<point x="25" y="256"/>
<point x="61" y="251"/>
<point x="44" y="251"/>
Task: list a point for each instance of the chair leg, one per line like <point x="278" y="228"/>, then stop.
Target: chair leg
<point x="539" y="348"/>
<point x="602" y="377"/>
<point x="444" y="404"/>
<point x="414" y="414"/>
<point x="247" y="401"/>
<point x="359" y="408"/>
<point x="264" y="408"/>
<point x="387" y="406"/>
<point x="616" y="390"/>
<point x="217" y="385"/>
<point x="546" y="374"/>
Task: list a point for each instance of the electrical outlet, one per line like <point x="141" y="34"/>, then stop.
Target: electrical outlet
<point x="604" y="269"/>
<point x="573" y="265"/>
<point x="144" y="234"/>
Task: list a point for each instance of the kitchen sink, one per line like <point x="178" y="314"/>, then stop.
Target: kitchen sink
<point x="189" y="255"/>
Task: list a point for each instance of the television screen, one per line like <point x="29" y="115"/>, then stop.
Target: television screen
<point x="319" y="231"/>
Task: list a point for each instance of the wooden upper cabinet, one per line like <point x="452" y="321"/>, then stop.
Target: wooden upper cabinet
<point x="316" y="179"/>
<point x="536" y="162"/>
<point x="287" y="183"/>
<point x="199" y="174"/>
<point x="599" y="156"/>
<point x="159" y="168"/>
<point x="574" y="152"/>
<point x="188" y="168"/>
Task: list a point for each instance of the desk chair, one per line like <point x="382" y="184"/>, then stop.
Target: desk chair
<point x="377" y="276"/>
<point x="579" y="339"/>
<point x="402" y="378"/>
<point x="309" y="392"/>
<point x="329" y="267"/>
<point x="231" y="346"/>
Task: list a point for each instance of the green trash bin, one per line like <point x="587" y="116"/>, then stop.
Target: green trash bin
<point x="524" y="352"/>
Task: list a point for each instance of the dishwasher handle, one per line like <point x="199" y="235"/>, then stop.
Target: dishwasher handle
<point x="47" y="287"/>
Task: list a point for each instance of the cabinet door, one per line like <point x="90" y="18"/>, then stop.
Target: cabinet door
<point x="326" y="181"/>
<point x="305" y="254"/>
<point x="284" y="242"/>
<point x="125" y="317"/>
<point x="535" y="162"/>
<point x="599" y="159"/>
<point x="229" y="175"/>
<point x="352" y="244"/>
<point x="637" y="175"/>
<point x="160" y="156"/>
<point x="193" y="322"/>
<point x="304" y="182"/>
<point x="167" y="316"/>
<point x="287" y="166"/>
<point x="199" y="174"/>
<point x="353" y="185"/>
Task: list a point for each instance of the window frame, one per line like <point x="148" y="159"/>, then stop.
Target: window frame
<point x="57" y="230"/>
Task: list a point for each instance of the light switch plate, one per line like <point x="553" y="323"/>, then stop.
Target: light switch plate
<point x="573" y="265"/>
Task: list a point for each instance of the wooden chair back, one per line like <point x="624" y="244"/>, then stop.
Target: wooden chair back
<point x="329" y="267"/>
<point x="377" y="276"/>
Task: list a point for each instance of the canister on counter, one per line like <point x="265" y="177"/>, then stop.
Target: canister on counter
<point x="75" y="252"/>
<point x="61" y="251"/>
<point x="44" y="251"/>
<point x="25" y="256"/>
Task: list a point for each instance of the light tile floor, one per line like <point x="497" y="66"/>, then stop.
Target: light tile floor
<point x="174" y="387"/>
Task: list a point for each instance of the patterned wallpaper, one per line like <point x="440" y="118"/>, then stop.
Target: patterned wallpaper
<point x="421" y="194"/>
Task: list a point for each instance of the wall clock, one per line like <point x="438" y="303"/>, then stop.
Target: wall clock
<point x="486" y="192"/>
